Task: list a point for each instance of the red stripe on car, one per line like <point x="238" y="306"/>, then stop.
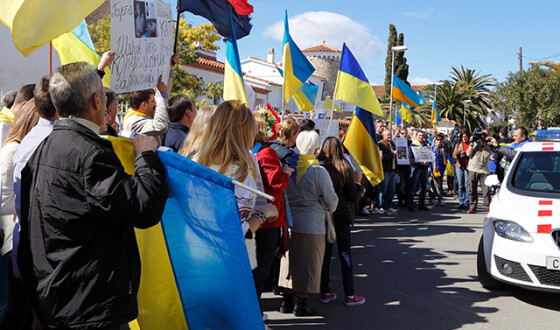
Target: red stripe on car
<point x="544" y="229"/>
<point x="545" y="213"/>
<point x="545" y="202"/>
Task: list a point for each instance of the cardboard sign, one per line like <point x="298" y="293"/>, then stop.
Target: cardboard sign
<point x="423" y="154"/>
<point x="142" y="35"/>
<point x="402" y="151"/>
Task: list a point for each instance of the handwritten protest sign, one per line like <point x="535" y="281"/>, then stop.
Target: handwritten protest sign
<point x="402" y="151"/>
<point x="423" y="154"/>
<point x="326" y="128"/>
<point x="142" y="37"/>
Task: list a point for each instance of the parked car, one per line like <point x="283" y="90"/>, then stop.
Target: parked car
<point x="520" y="244"/>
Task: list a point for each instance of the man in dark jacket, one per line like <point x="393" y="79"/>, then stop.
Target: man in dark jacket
<point x="419" y="174"/>
<point x="181" y="116"/>
<point x="78" y="256"/>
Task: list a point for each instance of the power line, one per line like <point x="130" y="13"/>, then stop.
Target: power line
<point x="544" y="58"/>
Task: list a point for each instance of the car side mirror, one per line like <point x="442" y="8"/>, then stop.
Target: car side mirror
<point x="492" y="181"/>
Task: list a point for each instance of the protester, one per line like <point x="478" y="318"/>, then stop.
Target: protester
<point x="18" y="311"/>
<point x="194" y="140"/>
<point x="479" y="155"/>
<point x="23" y="95"/>
<point x="539" y="125"/>
<point x="301" y="266"/>
<point x="438" y="166"/>
<point x="389" y="163"/>
<point x="148" y="113"/>
<point x="419" y="174"/>
<point x="307" y="125"/>
<point x="343" y="178"/>
<point x="181" y="116"/>
<point x="461" y="169"/>
<point x="85" y="273"/>
<point x="288" y="131"/>
<point x="520" y="137"/>
<point x="404" y="172"/>
<point x="111" y="113"/>
<point x="6" y="115"/>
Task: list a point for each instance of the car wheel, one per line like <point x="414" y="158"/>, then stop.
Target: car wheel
<point x="484" y="276"/>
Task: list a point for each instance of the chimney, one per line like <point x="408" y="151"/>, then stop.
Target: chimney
<point x="270" y="55"/>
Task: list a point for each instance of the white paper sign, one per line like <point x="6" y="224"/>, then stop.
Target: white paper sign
<point x="326" y="128"/>
<point x="423" y="154"/>
<point x="142" y="34"/>
<point x="402" y="151"/>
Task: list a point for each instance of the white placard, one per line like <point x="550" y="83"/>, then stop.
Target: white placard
<point x="402" y="151"/>
<point x="142" y="35"/>
<point x="423" y="154"/>
<point x="326" y="128"/>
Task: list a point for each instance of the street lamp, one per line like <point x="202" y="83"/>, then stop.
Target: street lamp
<point x="395" y="49"/>
<point x="465" y="112"/>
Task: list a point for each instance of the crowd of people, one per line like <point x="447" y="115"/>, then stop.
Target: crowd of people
<point x="68" y="212"/>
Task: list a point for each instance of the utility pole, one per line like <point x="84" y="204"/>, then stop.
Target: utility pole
<point x="520" y="59"/>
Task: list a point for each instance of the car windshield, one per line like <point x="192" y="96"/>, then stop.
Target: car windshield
<point x="538" y="171"/>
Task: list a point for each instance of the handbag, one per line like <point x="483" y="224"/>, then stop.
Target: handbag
<point x="331" y="233"/>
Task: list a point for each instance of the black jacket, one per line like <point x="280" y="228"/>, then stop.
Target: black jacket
<point x="78" y="255"/>
<point x="175" y="136"/>
<point x="347" y="196"/>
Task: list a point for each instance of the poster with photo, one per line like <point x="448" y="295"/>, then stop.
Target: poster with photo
<point x="142" y="34"/>
<point x="423" y="154"/>
<point x="402" y="151"/>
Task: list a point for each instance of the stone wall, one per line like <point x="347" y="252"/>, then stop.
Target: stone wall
<point x="326" y="67"/>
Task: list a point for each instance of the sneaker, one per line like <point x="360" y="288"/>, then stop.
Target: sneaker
<point x="450" y="192"/>
<point x="472" y="211"/>
<point x="378" y="211"/>
<point x="365" y="210"/>
<point x="354" y="301"/>
<point x="441" y="203"/>
<point x="392" y="210"/>
<point x="328" y="297"/>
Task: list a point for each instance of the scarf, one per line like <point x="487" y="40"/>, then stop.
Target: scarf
<point x="439" y="161"/>
<point x="304" y="162"/>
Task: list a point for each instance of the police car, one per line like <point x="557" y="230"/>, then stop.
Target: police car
<point x="520" y="244"/>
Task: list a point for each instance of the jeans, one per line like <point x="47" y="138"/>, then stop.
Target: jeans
<point x="418" y="177"/>
<point x="343" y="242"/>
<point x="388" y="189"/>
<point x="474" y="180"/>
<point x="462" y="175"/>
<point x="18" y="313"/>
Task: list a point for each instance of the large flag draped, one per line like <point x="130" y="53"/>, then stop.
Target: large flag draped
<point x="435" y="114"/>
<point x="76" y="46"/>
<point x="361" y="141"/>
<point x="234" y="87"/>
<point x="36" y="22"/>
<point x="353" y="87"/>
<point x="195" y="268"/>
<point x="297" y="69"/>
<point x="404" y="93"/>
<point x="218" y="12"/>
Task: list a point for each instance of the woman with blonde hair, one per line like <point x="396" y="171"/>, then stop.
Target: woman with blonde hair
<point x="288" y="131"/>
<point x="225" y="147"/>
<point x="25" y="120"/>
<point x="194" y="138"/>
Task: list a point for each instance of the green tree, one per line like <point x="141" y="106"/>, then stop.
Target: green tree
<point x="392" y="41"/>
<point x="100" y="33"/>
<point x="401" y="68"/>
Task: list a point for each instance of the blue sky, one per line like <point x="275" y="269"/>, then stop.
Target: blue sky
<point x="480" y="35"/>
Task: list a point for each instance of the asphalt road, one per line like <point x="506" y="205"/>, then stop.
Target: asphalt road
<point x="417" y="270"/>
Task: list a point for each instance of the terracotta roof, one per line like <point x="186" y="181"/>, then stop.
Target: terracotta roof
<point x="260" y="90"/>
<point x="344" y="122"/>
<point x="321" y="49"/>
<point x="208" y="65"/>
<point x="263" y="80"/>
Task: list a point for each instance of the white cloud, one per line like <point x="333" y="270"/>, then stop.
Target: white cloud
<point x="426" y="13"/>
<point x="312" y="28"/>
<point x="419" y="81"/>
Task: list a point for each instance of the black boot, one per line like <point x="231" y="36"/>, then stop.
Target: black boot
<point x="287" y="305"/>
<point x="302" y="309"/>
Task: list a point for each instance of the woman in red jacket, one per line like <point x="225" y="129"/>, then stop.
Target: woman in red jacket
<point x="275" y="180"/>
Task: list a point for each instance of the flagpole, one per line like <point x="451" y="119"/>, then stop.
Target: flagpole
<point x="50" y="57"/>
<point x="391" y="97"/>
<point x="254" y="191"/>
<point x="435" y="98"/>
<point x="177" y="27"/>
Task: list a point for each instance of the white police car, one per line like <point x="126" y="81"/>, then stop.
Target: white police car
<point x="520" y="244"/>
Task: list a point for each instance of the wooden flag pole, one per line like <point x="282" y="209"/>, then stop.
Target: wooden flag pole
<point x="50" y="57"/>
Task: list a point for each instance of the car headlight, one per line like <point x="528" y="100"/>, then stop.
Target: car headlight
<point x="511" y="230"/>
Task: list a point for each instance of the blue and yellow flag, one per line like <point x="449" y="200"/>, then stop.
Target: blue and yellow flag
<point x="195" y="268"/>
<point x="234" y="87"/>
<point x="405" y="114"/>
<point x="398" y="119"/>
<point x="361" y="141"/>
<point x="305" y="96"/>
<point x="435" y="114"/>
<point x="36" y="22"/>
<point x="353" y="87"/>
<point x="297" y="69"/>
<point x="329" y="104"/>
<point x="404" y="93"/>
<point x="77" y="46"/>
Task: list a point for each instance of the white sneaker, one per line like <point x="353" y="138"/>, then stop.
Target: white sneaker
<point x="365" y="210"/>
<point x="441" y="203"/>
<point x="378" y="211"/>
<point x="392" y="210"/>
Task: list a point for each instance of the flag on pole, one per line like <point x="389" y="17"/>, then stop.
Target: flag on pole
<point x="398" y="119"/>
<point x="77" y="46"/>
<point x="36" y="22"/>
<point x="195" y="267"/>
<point x="297" y="69"/>
<point x="329" y="104"/>
<point x="305" y="96"/>
<point x="435" y="114"/>
<point x="405" y="113"/>
<point x="361" y="141"/>
<point x="404" y="93"/>
<point x="234" y="87"/>
<point x="353" y="87"/>
<point x="218" y="12"/>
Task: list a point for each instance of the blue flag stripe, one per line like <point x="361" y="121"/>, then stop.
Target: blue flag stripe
<point x="349" y="64"/>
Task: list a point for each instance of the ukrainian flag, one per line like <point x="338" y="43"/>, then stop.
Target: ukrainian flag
<point x="353" y="87"/>
<point x="305" y="96"/>
<point x="404" y="93"/>
<point x="195" y="268"/>
<point x="329" y="104"/>
<point x="234" y="88"/>
<point x="435" y="114"/>
<point x="405" y="114"/>
<point x="297" y="69"/>
<point x="77" y="46"/>
<point x="36" y="22"/>
<point x="361" y="141"/>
